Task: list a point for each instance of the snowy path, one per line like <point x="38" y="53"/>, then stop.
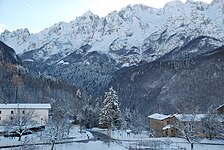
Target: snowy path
<point x="100" y="136"/>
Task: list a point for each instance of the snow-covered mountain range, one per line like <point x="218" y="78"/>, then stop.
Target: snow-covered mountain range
<point x="90" y="49"/>
<point x="133" y="34"/>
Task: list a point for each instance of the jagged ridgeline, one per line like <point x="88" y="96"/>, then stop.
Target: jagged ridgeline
<point x="20" y="86"/>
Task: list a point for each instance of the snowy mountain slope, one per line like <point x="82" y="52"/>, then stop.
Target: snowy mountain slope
<point x="89" y="50"/>
<point x="215" y="11"/>
<point x="124" y="35"/>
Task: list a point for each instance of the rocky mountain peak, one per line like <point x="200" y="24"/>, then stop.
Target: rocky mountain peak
<point x="190" y="1"/>
<point x="88" y="13"/>
<point x="175" y="3"/>
<point x="87" y="17"/>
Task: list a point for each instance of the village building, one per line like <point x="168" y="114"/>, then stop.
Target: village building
<point x="165" y="125"/>
<point x="160" y="125"/>
<point x="38" y="111"/>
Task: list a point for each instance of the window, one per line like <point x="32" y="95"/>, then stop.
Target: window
<point x="0" y="118"/>
<point x="23" y="112"/>
<point x="11" y="112"/>
<point x="41" y="121"/>
<point x="0" y="112"/>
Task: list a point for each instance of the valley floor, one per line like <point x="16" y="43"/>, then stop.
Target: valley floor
<point x="120" y="141"/>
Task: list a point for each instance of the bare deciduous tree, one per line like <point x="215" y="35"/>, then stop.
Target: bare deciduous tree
<point x="213" y="124"/>
<point x="57" y="129"/>
<point x="19" y="123"/>
<point x="189" y="127"/>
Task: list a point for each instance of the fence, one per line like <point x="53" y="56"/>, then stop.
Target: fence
<point x="151" y="145"/>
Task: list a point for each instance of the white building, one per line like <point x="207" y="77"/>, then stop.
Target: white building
<point x="38" y="112"/>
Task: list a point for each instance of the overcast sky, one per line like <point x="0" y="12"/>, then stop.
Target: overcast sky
<point x="39" y="14"/>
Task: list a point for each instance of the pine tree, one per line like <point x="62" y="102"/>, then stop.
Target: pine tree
<point x="110" y="112"/>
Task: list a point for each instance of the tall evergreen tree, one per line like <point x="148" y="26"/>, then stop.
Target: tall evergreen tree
<point x="110" y="112"/>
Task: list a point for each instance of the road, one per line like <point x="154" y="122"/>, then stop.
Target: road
<point x="100" y="136"/>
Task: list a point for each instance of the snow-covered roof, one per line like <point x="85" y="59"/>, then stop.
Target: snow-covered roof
<point x="189" y="117"/>
<point x="158" y="116"/>
<point x="168" y="126"/>
<point x="24" y="106"/>
<point x="128" y="131"/>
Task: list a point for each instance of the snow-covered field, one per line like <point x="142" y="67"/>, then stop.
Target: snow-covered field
<point x="98" y="145"/>
<point x="124" y="141"/>
<point x="74" y="135"/>
<point x="92" y="145"/>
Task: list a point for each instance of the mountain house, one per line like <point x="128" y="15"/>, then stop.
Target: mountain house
<point x="164" y="125"/>
<point x="160" y="124"/>
<point x="37" y="112"/>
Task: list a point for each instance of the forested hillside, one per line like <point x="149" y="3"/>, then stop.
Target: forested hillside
<point x="18" y="85"/>
<point x="166" y="84"/>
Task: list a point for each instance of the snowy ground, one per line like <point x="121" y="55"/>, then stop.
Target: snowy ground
<point x="92" y="145"/>
<point x="142" y="140"/>
<point x="74" y="135"/>
<point x="98" y="145"/>
<point x="124" y="141"/>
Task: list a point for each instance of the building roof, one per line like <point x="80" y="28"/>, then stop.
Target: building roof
<point x="25" y="106"/>
<point x="189" y="117"/>
<point x="158" y="116"/>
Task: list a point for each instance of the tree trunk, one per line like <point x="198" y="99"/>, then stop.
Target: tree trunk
<point x="192" y="146"/>
<point x="210" y="136"/>
<point x="19" y="138"/>
<point x="16" y="94"/>
<point x="68" y="132"/>
<point x="52" y="146"/>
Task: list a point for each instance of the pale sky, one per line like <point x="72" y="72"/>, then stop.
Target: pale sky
<point x="39" y="14"/>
